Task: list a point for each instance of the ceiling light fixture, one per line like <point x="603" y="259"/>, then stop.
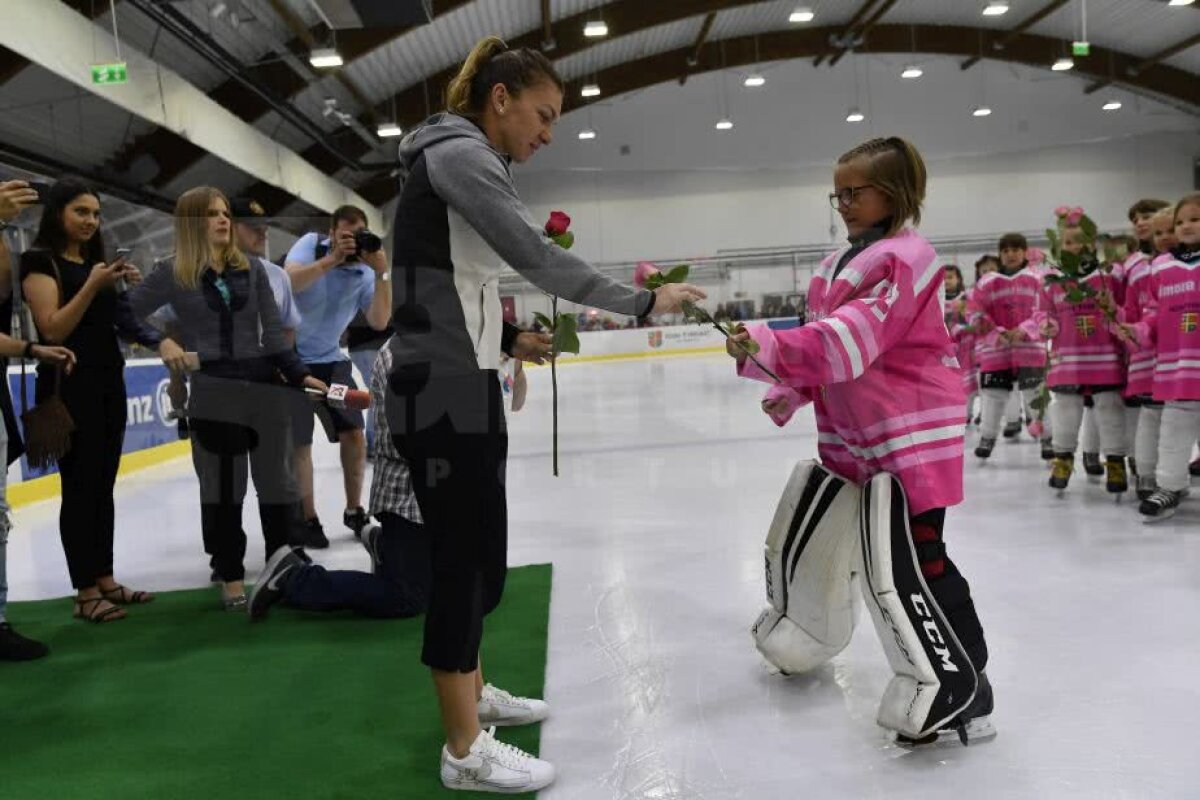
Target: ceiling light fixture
<point x="388" y="130"/>
<point x="1063" y="64"/>
<point x="801" y="14"/>
<point x="982" y="111"/>
<point x="590" y="90"/>
<point x="995" y="9"/>
<point x="325" y="57"/>
<point x="1112" y="105"/>
<point x="724" y="124"/>
<point x="854" y="115"/>
<point x="595" y="29"/>
<point x="912" y="72"/>
<point x="586" y="134"/>
<point x="754" y="81"/>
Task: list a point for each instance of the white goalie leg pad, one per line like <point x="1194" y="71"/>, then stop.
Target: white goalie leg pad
<point x="934" y="680"/>
<point x="811" y="555"/>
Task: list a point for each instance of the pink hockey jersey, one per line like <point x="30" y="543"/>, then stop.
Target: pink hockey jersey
<point x="1172" y="323"/>
<point x="1139" y="379"/>
<point x="1002" y="303"/>
<point x="957" y="322"/>
<point x="878" y="362"/>
<point x="1084" y="352"/>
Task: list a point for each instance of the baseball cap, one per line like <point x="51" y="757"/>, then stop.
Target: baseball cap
<point x="248" y="210"/>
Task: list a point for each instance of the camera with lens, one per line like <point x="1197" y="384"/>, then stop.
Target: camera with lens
<point x="367" y="242"/>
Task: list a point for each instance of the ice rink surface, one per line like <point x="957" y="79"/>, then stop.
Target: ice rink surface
<point x="670" y="475"/>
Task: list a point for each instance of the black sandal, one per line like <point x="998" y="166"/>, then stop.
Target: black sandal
<point x="110" y="614"/>
<point x="124" y="596"/>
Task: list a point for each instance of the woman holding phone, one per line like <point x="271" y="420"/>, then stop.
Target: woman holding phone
<point x="70" y="288"/>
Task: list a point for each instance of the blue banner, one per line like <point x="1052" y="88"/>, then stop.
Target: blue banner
<point x="146" y="407"/>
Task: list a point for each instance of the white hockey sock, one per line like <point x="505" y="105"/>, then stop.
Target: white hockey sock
<point x="1146" y="446"/>
<point x="1089" y="437"/>
<point x="993" y="411"/>
<point x="1180" y="427"/>
<point x="1109" y="417"/>
<point x="1067" y="412"/>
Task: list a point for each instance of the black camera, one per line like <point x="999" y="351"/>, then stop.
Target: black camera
<point x="367" y="242"/>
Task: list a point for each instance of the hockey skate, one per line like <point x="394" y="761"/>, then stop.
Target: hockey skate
<point x="1060" y="472"/>
<point x="972" y="726"/>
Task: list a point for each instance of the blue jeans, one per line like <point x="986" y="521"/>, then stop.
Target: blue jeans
<point x="364" y="361"/>
<point x="5" y="523"/>
<point x="399" y="589"/>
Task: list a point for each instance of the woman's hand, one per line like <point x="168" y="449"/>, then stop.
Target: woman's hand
<point x="536" y="348"/>
<point x="173" y="356"/>
<point x="15" y="197"/>
<point x="1048" y="330"/>
<point x="740" y="337"/>
<point x="311" y="382"/>
<point x="52" y="354"/>
<point x="105" y="276"/>
<point x="1124" y="332"/>
<point x="669" y="299"/>
<point x="132" y="275"/>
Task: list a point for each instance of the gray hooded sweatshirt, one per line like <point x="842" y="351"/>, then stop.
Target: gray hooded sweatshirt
<point x="459" y="220"/>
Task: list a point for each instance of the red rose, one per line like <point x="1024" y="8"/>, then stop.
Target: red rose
<point x="557" y="224"/>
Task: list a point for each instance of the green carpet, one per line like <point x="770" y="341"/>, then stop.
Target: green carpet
<point x="183" y="700"/>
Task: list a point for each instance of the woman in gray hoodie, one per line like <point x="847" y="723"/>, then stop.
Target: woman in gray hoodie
<point x="459" y="220"/>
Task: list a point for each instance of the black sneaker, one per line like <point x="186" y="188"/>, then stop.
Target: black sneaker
<point x="182" y="429"/>
<point x="1160" y="505"/>
<point x="1047" y="449"/>
<point x="1133" y="466"/>
<point x="15" y="647"/>
<point x="314" y="534"/>
<point x="270" y="587"/>
<point x="971" y="725"/>
<point x="1012" y="430"/>
<point x="985" y="447"/>
<point x="1194" y="468"/>
<point x="1092" y="465"/>
<point x="357" y="520"/>
<point x="370" y="540"/>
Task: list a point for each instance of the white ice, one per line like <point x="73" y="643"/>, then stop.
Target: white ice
<point x="670" y="475"/>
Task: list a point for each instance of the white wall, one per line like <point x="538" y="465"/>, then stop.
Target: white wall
<point x="630" y="215"/>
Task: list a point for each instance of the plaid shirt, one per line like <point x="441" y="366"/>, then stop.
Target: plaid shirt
<point x="391" y="482"/>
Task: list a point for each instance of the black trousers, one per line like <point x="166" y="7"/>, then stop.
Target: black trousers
<point x="241" y="429"/>
<point x="451" y="430"/>
<point x="95" y="397"/>
<point x="947" y="585"/>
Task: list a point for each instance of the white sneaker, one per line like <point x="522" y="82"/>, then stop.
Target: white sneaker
<point x="498" y="707"/>
<point x="494" y="766"/>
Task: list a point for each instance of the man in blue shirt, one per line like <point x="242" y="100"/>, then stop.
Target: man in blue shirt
<point x="332" y="282"/>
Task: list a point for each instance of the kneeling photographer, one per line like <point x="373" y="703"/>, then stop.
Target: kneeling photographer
<point x="334" y="277"/>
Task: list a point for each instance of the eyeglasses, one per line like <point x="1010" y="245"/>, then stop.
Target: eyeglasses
<point x="844" y="198"/>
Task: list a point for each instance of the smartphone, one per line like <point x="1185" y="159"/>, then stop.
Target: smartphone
<point x="123" y="255"/>
<point x="42" y="189"/>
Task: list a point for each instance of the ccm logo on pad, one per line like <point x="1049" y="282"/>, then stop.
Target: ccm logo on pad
<point x="932" y="632"/>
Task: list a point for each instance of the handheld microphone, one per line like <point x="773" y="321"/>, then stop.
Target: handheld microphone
<point x="342" y="396"/>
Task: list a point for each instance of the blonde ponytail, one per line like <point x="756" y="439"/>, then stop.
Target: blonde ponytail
<point x="491" y="62"/>
<point x="458" y="93"/>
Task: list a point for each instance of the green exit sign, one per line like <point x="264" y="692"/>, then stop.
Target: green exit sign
<point x="1081" y="48"/>
<point x="103" y="74"/>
